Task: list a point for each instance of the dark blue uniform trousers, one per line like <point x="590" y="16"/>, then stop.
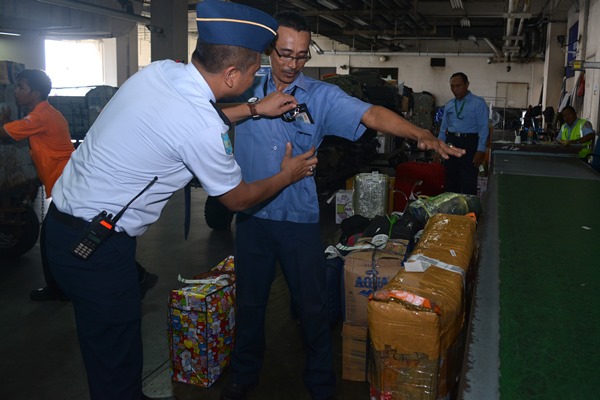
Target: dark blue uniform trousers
<point x="105" y="294"/>
<point x="461" y="174"/>
<point x="297" y="247"/>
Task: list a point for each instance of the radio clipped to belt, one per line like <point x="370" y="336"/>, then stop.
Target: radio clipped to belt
<point x="100" y="229"/>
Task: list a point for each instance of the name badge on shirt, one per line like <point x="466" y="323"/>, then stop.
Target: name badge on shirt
<point x="227" y="143"/>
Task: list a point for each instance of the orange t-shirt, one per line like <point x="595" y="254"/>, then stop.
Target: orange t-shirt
<point x="49" y="141"/>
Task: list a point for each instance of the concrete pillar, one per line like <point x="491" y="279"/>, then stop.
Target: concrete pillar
<point x="127" y="56"/>
<point x="169" y="27"/>
<point x="554" y="66"/>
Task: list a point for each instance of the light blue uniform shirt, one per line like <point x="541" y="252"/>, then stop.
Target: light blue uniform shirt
<point x="159" y="123"/>
<point x="468" y="115"/>
<point x="260" y="143"/>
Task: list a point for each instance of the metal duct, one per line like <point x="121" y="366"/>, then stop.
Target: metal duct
<point x="94" y="9"/>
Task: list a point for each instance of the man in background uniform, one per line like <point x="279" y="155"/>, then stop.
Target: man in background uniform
<point x="465" y="125"/>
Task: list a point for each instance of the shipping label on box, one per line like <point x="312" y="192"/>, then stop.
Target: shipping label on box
<point x="360" y="280"/>
<point x="201" y="328"/>
<point x="343" y="205"/>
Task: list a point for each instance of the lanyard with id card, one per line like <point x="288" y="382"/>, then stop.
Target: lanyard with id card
<point x="298" y="113"/>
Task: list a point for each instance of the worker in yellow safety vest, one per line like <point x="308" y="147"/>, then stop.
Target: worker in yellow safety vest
<point x="576" y="131"/>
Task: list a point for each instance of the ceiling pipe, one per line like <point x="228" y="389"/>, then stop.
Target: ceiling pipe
<point x="497" y="52"/>
<point x="94" y="9"/>
<point x="526" y="6"/>
<point x="402" y="53"/>
<point x="510" y="24"/>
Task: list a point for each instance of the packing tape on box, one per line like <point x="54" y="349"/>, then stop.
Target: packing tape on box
<point x="376" y="242"/>
<point x="420" y="263"/>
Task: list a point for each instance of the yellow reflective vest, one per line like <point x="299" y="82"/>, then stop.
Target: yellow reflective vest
<point x="574" y="134"/>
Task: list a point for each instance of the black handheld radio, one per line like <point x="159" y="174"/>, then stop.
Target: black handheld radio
<point x="100" y="229"/>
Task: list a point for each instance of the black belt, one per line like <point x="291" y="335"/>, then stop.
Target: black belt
<point x="460" y="134"/>
<point x="67" y="219"/>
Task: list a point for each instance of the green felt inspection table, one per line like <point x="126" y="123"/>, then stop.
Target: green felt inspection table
<point x="537" y="309"/>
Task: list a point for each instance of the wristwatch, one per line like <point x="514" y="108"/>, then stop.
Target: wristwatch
<point x="252" y="102"/>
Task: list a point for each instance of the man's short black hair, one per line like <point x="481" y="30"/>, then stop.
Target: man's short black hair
<point x="216" y="57"/>
<point x="291" y="19"/>
<point x="462" y="75"/>
<point x="37" y="80"/>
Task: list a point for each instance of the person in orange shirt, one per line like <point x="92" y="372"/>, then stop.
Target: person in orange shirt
<point x="50" y="147"/>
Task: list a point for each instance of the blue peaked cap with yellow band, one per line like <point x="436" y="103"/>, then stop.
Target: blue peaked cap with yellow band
<point x="234" y="24"/>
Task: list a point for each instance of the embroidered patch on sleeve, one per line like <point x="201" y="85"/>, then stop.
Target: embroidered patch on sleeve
<point x="227" y="143"/>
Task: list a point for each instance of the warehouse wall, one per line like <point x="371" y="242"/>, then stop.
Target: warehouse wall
<point x="415" y="71"/>
<point x="28" y="49"/>
<point x="591" y="105"/>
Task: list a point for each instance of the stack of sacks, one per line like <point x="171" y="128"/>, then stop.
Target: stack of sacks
<point x="416" y="320"/>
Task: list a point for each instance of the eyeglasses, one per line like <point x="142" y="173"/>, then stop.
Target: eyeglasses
<point x="288" y="58"/>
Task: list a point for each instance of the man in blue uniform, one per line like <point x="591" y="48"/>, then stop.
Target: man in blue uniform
<point x="285" y="229"/>
<point x="159" y="130"/>
<point x="464" y="125"/>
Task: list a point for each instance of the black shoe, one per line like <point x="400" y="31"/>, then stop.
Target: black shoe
<point x="147" y="282"/>
<point x="237" y="391"/>
<point x="48" y="294"/>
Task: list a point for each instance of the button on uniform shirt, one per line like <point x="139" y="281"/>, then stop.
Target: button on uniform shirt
<point x="49" y="141"/>
<point x="467" y="115"/>
<point x="159" y="123"/>
<point x="260" y="143"/>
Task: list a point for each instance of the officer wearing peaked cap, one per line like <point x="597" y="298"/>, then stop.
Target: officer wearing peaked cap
<point x="160" y="130"/>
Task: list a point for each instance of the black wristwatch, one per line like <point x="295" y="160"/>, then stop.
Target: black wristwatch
<point x="252" y="102"/>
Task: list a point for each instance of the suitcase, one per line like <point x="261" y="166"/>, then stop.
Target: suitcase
<point x="432" y="176"/>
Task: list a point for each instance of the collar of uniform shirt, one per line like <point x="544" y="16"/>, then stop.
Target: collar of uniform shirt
<point x="299" y="82"/>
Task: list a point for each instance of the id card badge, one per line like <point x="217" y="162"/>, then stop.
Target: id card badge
<point x="304" y="116"/>
<point x="299" y="113"/>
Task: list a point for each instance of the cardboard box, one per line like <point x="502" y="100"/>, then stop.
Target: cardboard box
<point x="354" y="353"/>
<point x="359" y="277"/>
<point x="343" y="205"/>
<point x="201" y="331"/>
<point x="416" y="321"/>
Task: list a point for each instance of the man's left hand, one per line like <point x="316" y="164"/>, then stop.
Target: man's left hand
<point x="445" y="151"/>
<point x="478" y="158"/>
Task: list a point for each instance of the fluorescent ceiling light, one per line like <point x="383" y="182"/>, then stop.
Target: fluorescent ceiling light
<point x="456" y="4"/>
<point x="10" y="34"/>
<point x="316" y="47"/>
<point x="329" y="4"/>
<point x="360" y="21"/>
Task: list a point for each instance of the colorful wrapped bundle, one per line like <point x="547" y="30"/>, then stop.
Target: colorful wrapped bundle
<point x="416" y="320"/>
<point x="201" y="325"/>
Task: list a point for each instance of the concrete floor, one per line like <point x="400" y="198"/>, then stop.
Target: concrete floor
<point x="39" y="347"/>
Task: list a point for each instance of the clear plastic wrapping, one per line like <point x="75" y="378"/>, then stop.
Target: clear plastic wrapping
<point x="370" y="194"/>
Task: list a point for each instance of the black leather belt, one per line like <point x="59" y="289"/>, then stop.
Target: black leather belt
<point x="67" y="219"/>
<point x="460" y="134"/>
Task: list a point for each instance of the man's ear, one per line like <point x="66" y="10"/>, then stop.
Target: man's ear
<point x="230" y="76"/>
